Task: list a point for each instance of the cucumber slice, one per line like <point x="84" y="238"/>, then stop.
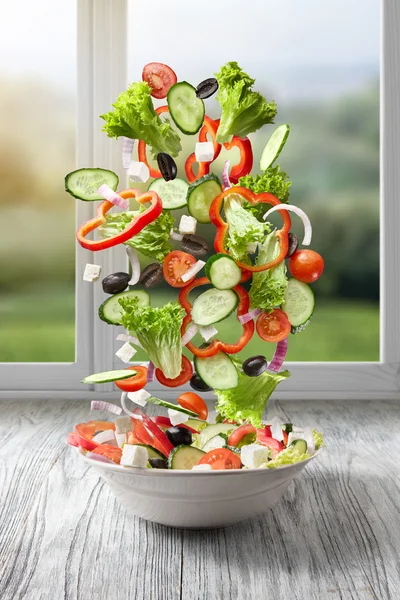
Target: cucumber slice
<point x="153" y="453"/>
<point x="84" y="183"/>
<point x="217" y="371"/>
<point x="299" y="445"/>
<point x="218" y="441"/>
<point x="111" y="311"/>
<point x="184" y="458"/>
<point x="274" y="146"/>
<point x="187" y="111"/>
<point x="108" y="376"/>
<point x="196" y="424"/>
<point x="172" y="193"/>
<point x="200" y="195"/>
<point x="299" y="304"/>
<point x="213" y="306"/>
<point x="223" y="271"/>
<point x="212" y="431"/>
<point x="176" y="407"/>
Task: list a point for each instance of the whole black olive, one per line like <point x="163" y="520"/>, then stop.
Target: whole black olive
<point x="179" y="436"/>
<point x="207" y="88"/>
<point x="255" y="365"/>
<point x="195" y="245"/>
<point x="293" y="244"/>
<point x="151" y="275"/>
<point x="198" y="384"/>
<point x="167" y="166"/>
<point x="158" y="463"/>
<point x="115" y="283"/>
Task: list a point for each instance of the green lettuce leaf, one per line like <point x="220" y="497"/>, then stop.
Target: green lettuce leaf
<point x="273" y="180"/>
<point x="287" y="457"/>
<point x="134" y="117"/>
<point x="159" y="332"/>
<point x="243" y="110"/>
<point x="244" y="229"/>
<point x="247" y="401"/>
<point x="153" y="241"/>
<point x="268" y="288"/>
<point x="318" y="439"/>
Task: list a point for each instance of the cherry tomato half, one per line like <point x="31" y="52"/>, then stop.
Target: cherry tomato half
<point x="160" y="78"/>
<point x="273" y="326"/>
<point x="175" y="265"/>
<point x="221" y="459"/>
<point x="274" y="445"/>
<point x="238" y="434"/>
<point x="111" y="452"/>
<point x="195" y="403"/>
<point x="306" y="265"/>
<point x="84" y="432"/>
<point x="135" y="383"/>
<point x="183" y="377"/>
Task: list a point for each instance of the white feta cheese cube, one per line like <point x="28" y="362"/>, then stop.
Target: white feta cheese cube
<point x="254" y="455"/>
<point x="138" y="171"/>
<point x="295" y="435"/>
<point x="212" y="417"/>
<point x="176" y="417"/>
<point x="126" y="352"/>
<point x="123" y="424"/>
<point x="139" y="397"/>
<point x="208" y="332"/>
<point x="121" y="439"/>
<point x="91" y="273"/>
<point x="276" y="429"/>
<point x="204" y="151"/>
<point x="308" y="436"/>
<point x="134" y="456"/>
<point x="202" y="468"/>
<point x="252" y="248"/>
<point x="187" y="225"/>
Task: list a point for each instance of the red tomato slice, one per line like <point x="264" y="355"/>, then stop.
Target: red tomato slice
<point x="270" y="442"/>
<point x="195" y="403"/>
<point x="160" y="78"/>
<point x="71" y="439"/>
<point x="175" y="265"/>
<point x="183" y="377"/>
<point x="84" y="432"/>
<point x="239" y="433"/>
<point x="273" y="326"/>
<point x="306" y="265"/>
<point x="111" y="452"/>
<point x="221" y="459"/>
<point x="135" y="383"/>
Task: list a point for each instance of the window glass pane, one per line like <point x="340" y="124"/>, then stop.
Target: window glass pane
<point x="323" y="71"/>
<point x="37" y="148"/>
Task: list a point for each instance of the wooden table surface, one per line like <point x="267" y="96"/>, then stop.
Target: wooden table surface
<point x="335" y="536"/>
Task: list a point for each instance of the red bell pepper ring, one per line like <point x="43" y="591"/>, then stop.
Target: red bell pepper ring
<point x="222" y="226"/>
<point x="244" y="166"/>
<point x="217" y="345"/>
<point x="142" y="154"/>
<point x="138" y="223"/>
<point x="210" y="126"/>
<point x="163" y="443"/>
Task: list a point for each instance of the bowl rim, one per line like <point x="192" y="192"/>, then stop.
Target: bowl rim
<point x="188" y="473"/>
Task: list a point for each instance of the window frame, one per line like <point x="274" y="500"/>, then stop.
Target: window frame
<point x="102" y="74"/>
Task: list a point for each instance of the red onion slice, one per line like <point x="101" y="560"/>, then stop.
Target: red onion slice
<point x="150" y="372"/>
<point x="176" y="236"/>
<point x="249" y="316"/>
<point x="193" y="270"/>
<point x="189" y="334"/>
<point x="225" y="175"/>
<point x="104" y="436"/>
<point x="99" y="458"/>
<point x="100" y="405"/>
<point x="135" y="264"/>
<point x="300" y="213"/>
<point x="279" y="356"/>
<point x="127" y="149"/>
<point x="123" y="337"/>
<point x="111" y="196"/>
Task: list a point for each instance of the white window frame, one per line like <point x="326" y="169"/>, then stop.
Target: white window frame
<point x="102" y="74"/>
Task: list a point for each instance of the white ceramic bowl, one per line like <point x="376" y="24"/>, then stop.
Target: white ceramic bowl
<point x="197" y="500"/>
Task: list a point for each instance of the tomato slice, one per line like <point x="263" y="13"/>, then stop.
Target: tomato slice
<point x="84" y="432"/>
<point x="273" y="326"/>
<point x="183" y="377"/>
<point x="238" y="434"/>
<point x="135" y="383"/>
<point x="270" y="442"/>
<point x="306" y="265"/>
<point x="160" y="78"/>
<point x="175" y="265"/>
<point x="221" y="459"/>
<point x="111" y="452"/>
<point x="71" y="439"/>
<point x="159" y="437"/>
<point x="195" y="403"/>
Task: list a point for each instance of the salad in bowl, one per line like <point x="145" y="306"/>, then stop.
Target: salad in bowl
<point x="259" y="273"/>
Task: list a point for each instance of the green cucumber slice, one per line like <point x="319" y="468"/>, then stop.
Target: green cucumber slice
<point x="108" y="376"/>
<point x="217" y="441"/>
<point x="223" y="271"/>
<point x="274" y="146"/>
<point x="299" y="304"/>
<point x="111" y="311"/>
<point x="213" y="306"/>
<point x="196" y="424"/>
<point x="84" y="183"/>
<point x="299" y="445"/>
<point x="187" y="111"/>
<point x="200" y="195"/>
<point x="184" y="458"/>
<point x="176" y="407"/>
<point x="172" y="193"/>
<point x="218" y="371"/>
<point x="212" y="431"/>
